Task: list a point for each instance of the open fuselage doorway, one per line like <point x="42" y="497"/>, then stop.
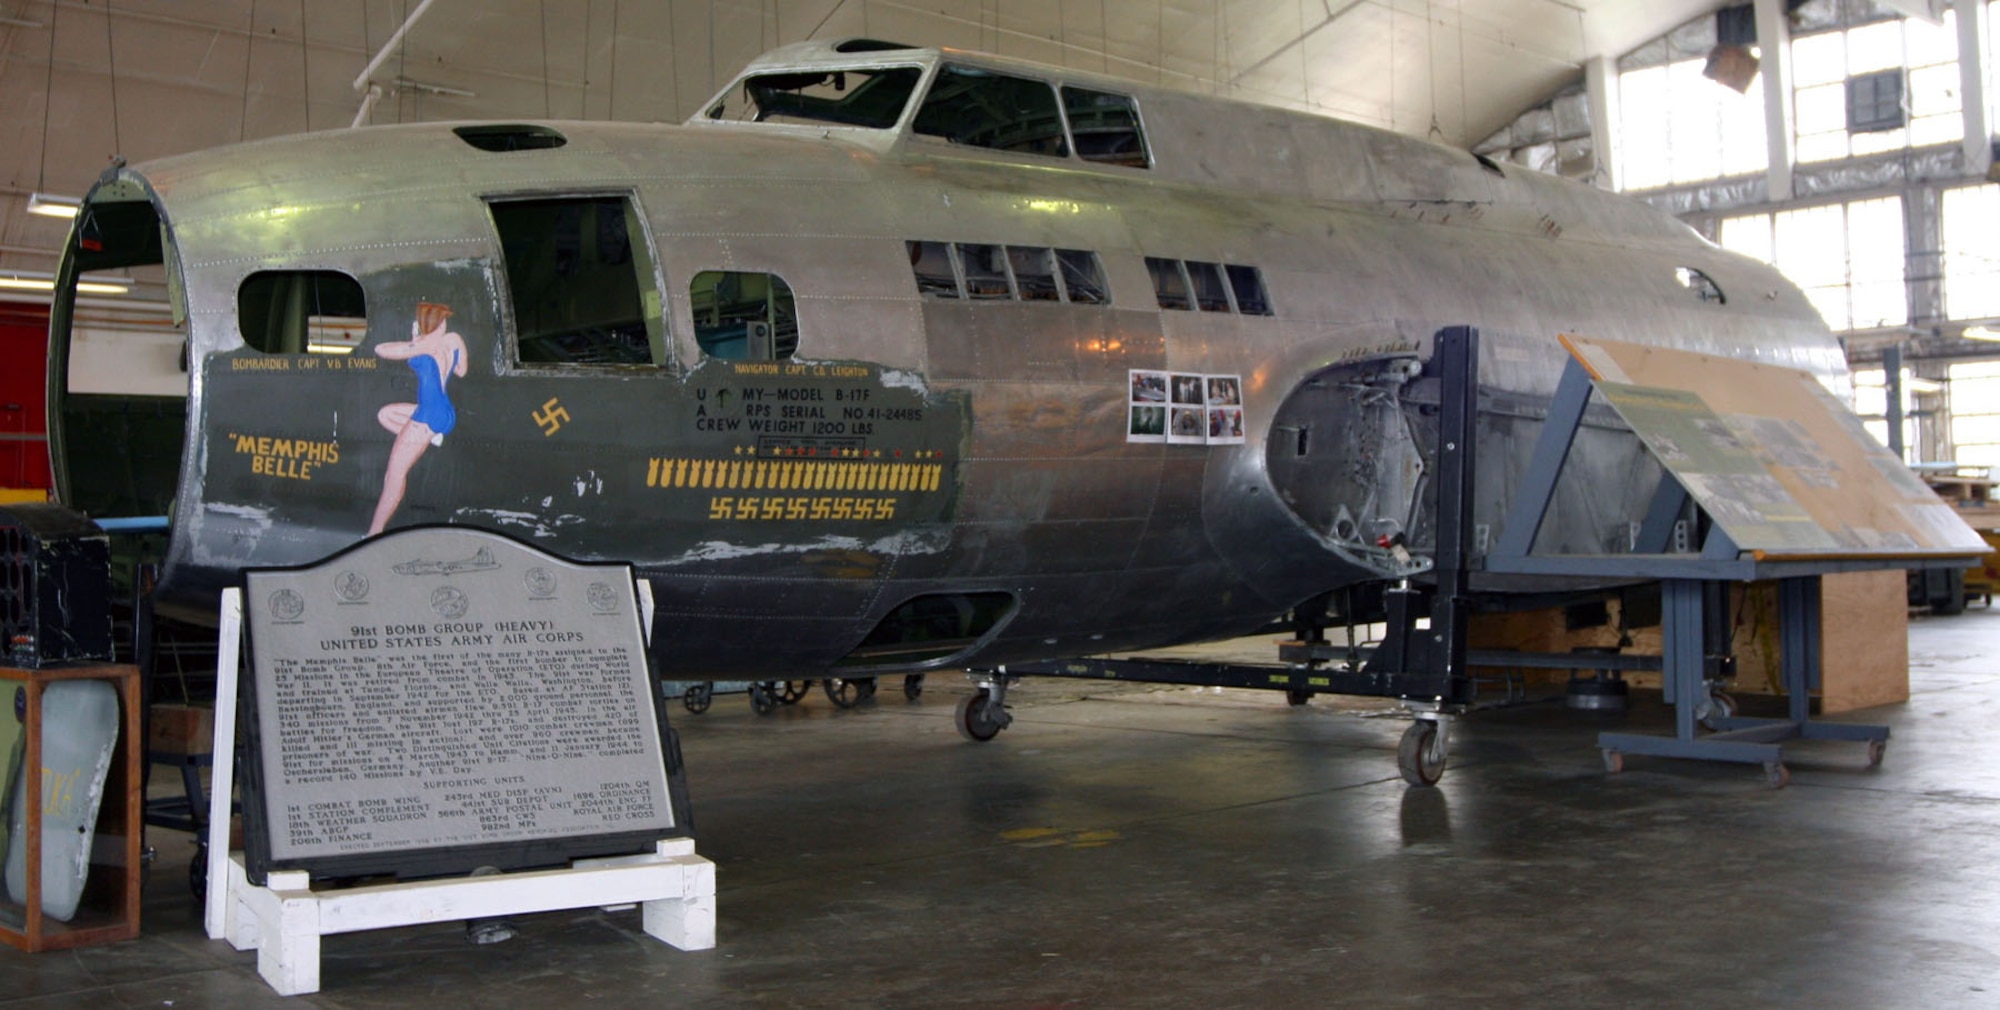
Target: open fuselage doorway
<point x="118" y="383"/>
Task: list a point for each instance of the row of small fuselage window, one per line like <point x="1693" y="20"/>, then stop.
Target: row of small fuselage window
<point x="978" y="272"/>
<point x="746" y="315"/>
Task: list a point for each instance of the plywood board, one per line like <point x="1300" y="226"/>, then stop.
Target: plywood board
<point x="1780" y="464"/>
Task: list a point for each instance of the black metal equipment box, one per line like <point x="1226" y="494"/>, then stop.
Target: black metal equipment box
<point x="55" y="587"/>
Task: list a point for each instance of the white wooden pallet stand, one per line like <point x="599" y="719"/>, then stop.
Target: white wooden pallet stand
<point x="284" y="919"/>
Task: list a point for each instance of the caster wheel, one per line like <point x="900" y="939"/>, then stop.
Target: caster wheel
<point x="1614" y="762"/>
<point x="866" y="686"/>
<point x="764" y="697"/>
<point x="1876" y="748"/>
<point x="1297" y="696"/>
<point x="791" y="692"/>
<point x="913" y="686"/>
<point x="843" y="693"/>
<point x="698" y="697"/>
<point x="1418" y="757"/>
<point x="974" y="722"/>
<point x="1721" y="705"/>
<point x="1776" y="775"/>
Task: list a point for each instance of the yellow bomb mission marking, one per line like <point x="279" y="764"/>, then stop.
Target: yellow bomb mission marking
<point x="289" y="458"/>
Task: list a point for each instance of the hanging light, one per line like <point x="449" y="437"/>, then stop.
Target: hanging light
<point x="50" y="205"/>
<point x="25" y="280"/>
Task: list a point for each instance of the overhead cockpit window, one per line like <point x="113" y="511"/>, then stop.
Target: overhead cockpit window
<point x="1105" y="127"/>
<point x="1247" y="283"/>
<point x="1168" y="284"/>
<point x="744" y="316"/>
<point x="1208" y="291"/>
<point x="1703" y="286"/>
<point x="985" y="271"/>
<point x="980" y="108"/>
<point x="578" y="269"/>
<point x="302" y="312"/>
<point x="867" y="98"/>
<point x="1083" y="277"/>
<point x="931" y="262"/>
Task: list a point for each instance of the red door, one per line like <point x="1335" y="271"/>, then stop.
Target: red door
<point x="24" y="446"/>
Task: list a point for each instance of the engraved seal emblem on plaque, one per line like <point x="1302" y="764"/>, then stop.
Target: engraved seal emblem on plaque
<point x="287" y="605"/>
<point x="351" y="586"/>
<point x="449" y="602"/>
<point x="541" y="582"/>
<point x="602" y="597"/>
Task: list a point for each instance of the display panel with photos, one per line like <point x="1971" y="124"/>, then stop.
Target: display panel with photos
<point x="1184" y="408"/>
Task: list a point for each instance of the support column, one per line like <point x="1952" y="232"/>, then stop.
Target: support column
<point x="1600" y="77"/>
<point x="1972" y="30"/>
<point x="1892" y="395"/>
<point x="1774" y="43"/>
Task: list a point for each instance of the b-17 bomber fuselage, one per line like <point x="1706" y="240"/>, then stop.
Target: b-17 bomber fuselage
<point x="889" y="359"/>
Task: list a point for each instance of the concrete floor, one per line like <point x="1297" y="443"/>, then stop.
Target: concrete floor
<point x="1120" y="846"/>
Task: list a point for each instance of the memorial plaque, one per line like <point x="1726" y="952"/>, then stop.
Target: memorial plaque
<point x="440" y="699"/>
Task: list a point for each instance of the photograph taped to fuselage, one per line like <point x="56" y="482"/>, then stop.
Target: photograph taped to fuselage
<point x="1187" y="426"/>
<point x="1146" y="413"/>
<point x="1225" y="391"/>
<point x="1148" y="386"/>
<point x="1149" y="424"/>
<point x="1225" y="426"/>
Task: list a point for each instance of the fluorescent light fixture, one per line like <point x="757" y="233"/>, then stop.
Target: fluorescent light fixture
<point x="1981" y="332"/>
<point x="48" y="205"/>
<point x="22" y="280"/>
<point x="1920" y="384"/>
<point x="429" y="88"/>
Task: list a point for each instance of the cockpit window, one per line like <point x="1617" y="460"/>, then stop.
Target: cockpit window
<point x="981" y="108"/>
<point x="867" y="98"/>
<point x="1106" y="127"/>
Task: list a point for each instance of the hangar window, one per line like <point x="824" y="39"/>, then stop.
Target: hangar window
<point x="985" y="271"/>
<point x="1247" y="283"/>
<point x="1105" y="127"/>
<point x="301" y="312"/>
<point x="1083" y="277"/>
<point x="1874" y="85"/>
<point x="1848" y="257"/>
<point x="931" y="262"/>
<point x="1971" y="252"/>
<point x="980" y="108"/>
<point x="744" y="316"/>
<point x="1169" y="287"/>
<point x="574" y="269"/>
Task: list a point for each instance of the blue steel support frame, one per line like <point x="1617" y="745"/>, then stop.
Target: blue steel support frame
<point x="1538" y="484"/>
<point x="1692" y="585"/>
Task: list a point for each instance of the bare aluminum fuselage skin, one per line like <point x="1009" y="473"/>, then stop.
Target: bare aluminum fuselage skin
<point x="1369" y="242"/>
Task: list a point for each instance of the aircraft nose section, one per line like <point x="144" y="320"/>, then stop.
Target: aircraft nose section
<point x="1346" y="458"/>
